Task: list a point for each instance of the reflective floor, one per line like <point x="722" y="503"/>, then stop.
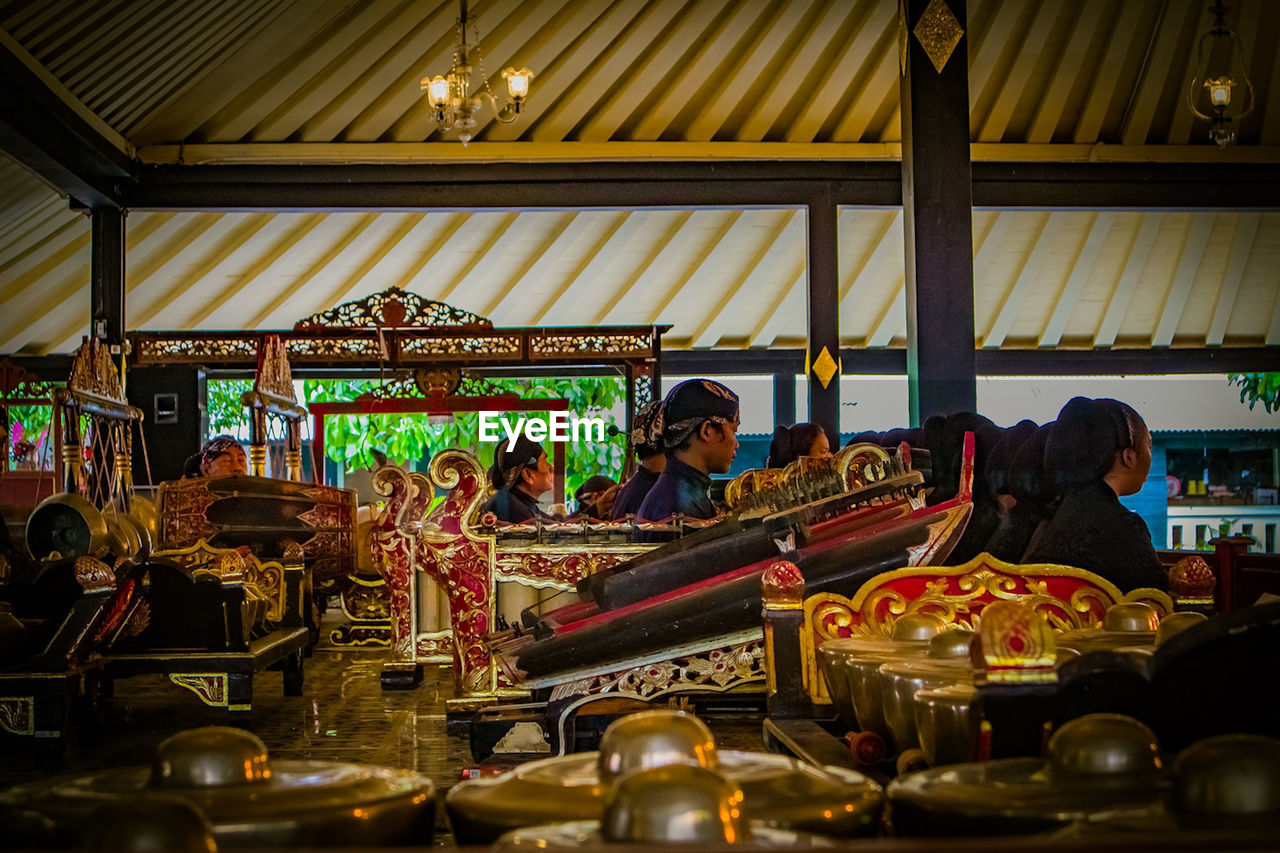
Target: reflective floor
<point x="344" y="715"/>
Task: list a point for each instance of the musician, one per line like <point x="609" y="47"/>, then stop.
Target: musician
<point x="791" y="442"/>
<point x="698" y="426"/>
<point x="651" y="459"/>
<point x="221" y="456"/>
<point x="589" y="494"/>
<point x="1097" y="452"/>
<point x="520" y="474"/>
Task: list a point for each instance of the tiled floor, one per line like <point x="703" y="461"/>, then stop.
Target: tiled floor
<point x="344" y="715"/>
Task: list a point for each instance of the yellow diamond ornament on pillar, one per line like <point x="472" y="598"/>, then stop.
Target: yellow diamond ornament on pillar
<point x="938" y="32"/>
<point x="825" y="367"/>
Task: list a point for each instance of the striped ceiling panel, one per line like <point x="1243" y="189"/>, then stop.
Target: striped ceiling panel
<point x="720" y="278"/>
<point x="703" y="71"/>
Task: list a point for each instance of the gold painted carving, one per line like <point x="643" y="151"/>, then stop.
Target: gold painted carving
<point x="230" y="565"/>
<point x="210" y="687"/>
<point x="16" y="714"/>
<point x="392" y="307"/>
<point x="479" y="346"/>
<point x="92" y="574"/>
<point x="938" y="32"/>
<point x="719" y="669"/>
<point x="562" y="346"/>
<point x="92" y="372"/>
<point x="274" y="376"/>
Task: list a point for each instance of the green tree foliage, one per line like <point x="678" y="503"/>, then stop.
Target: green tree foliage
<point x="1257" y="388"/>
<point x="408" y="439"/>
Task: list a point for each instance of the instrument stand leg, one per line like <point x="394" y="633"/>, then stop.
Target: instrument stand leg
<point x="239" y="698"/>
<point x="293" y="674"/>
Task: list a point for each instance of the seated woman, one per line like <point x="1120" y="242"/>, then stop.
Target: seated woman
<point x="520" y="474"/>
<point x="1097" y="452"/>
<point x="791" y="442"/>
<point x="1027" y="498"/>
<point x="652" y="462"/>
<point x="221" y="456"/>
<point x="697" y="425"/>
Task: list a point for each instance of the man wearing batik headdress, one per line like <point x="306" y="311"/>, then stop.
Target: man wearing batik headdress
<point x="520" y="474"/>
<point x="221" y="456"/>
<point x="697" y="425"/>
<point x="652" y="462"/>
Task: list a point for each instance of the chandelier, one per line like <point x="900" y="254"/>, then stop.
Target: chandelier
<point x="451" y="98"/>
<point x="1219" y="56"/>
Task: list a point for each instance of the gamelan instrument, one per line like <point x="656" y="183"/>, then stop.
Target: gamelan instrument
<point x="248" y="799"/>
<point x="706" y="586"/>
<point x="777" y="791"/>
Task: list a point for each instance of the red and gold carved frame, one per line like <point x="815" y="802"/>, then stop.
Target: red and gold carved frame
<point x="1067" y="597"/>
<point x="467" y="561"/>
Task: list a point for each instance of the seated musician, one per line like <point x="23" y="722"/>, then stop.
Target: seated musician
<point x="1097" y="452"/>
<point x="698" y="426"/>
<point x="589" y="494"/>
<point x="221" y="456"/>
<point x="521" y="473"/>
<point x="651" y="459"/>
<point x="791" y="442"/>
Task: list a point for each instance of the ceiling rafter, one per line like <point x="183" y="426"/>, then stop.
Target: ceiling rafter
<point x="453" y="223"/>
<point x="745" y="70"/>
<point x="619" y="233"/>
<point x="568" y="228"/>
<point x="1124" y="27"/>
<point x="881" y="70"/>
<point x="1046" y="235"/>
<point x="840" y="75"/>
<point x="772" y="317"/>
<point x="543" y="50"/>
<point x="350" y="286"/>
<point x="1188" y="264"/>
<point x="752" y="271"/>
<point x="1029" y="48"/>
<point x="224" y="250"/>
<point x="378" y="66"/>
<point x="287" y="239"/>
<point x="694" y="71"/>
<point x="1152" y="81"/>
<point x="672" y="241"/>
<point x="1139" y="250"/>
<point x="891" y="318"/>
<point x="988" y="49"/>
<point x="690" y="25"/>
<point x="1081" y="270"/>
<point x="1066" y="70"/>
<point x="362" y="224"/>
<point x="797" y="70"/>
<point x="1238" y="257"/>
<point x="884" y="242"/>
<point x="707" y="255"/>
<point x="582" y="99"/>
<point x="281" y="80"/>
<point x="501" y="236"/>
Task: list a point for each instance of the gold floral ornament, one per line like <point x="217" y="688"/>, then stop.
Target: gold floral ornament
<point x="938" y="32"/>
<point x="1015" y="645"/>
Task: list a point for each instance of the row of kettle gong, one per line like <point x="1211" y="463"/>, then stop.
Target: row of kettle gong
<point x="913" y="693"/>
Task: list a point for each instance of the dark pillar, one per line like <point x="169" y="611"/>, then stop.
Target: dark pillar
<point x="937" y="202"/>
<point x="106" y="287"/>
<point x="174" y="419"/>
<point x="823" y="356"/>
<point x="784" y="398"/>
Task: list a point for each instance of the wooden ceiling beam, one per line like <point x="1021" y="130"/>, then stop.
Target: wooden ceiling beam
<point x="1241" y="245"/>
<point x="1188" y="265"/>
<point x="1044" y="18"/>
<point x="1139" y="251"/>
<point x="892" y="318"/>
<point x="1102" y="88"/>
<point x="567" y="229"/>
<point x="1081" y="269"/>
<point x="673" y="241"/>
<point x="1152" y="75"/>
<point x="47" y="129"/>
<point x="841" y="76"/>
<point x="624" y="227"/>
<point x="1050" y="228"/>
<point x="1067" y="69"/>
